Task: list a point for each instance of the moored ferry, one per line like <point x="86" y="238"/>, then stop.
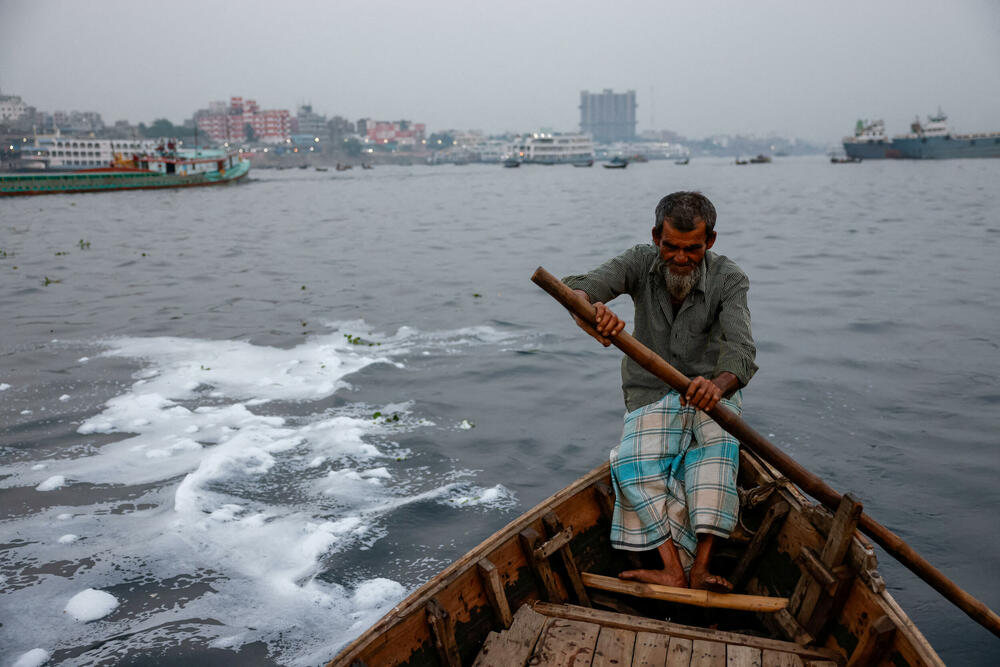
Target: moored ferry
<point x="553" y="148"/>
<point x="164" y="167"/>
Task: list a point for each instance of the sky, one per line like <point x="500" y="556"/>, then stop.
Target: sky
<point x="796" y="68"/>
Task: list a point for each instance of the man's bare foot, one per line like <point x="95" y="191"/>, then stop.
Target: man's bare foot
<point x="661" y="577"/>
<point x="703" y="579"/>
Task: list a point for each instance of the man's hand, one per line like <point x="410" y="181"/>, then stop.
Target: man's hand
<point x="704" y="394"/>
<point x="608" y="325"/>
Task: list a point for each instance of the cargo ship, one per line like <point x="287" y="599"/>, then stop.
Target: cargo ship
<point x="925" y="141"/>
<point x="164" y="167"/>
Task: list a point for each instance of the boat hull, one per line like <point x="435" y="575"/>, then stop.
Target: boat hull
<point x="107" y="180"/>
<point x="459" y="607"/>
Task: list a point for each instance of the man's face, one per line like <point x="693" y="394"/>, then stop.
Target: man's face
<point x="682" y="252"/>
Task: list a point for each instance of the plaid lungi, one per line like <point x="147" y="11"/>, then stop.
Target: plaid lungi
<point x="674" y="475"/>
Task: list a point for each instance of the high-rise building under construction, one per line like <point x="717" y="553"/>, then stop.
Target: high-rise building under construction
<point x="608" y="116"/>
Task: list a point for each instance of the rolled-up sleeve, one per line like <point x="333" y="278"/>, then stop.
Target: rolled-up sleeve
<point x="613" y="278"/>
<point x="737" y="350"/>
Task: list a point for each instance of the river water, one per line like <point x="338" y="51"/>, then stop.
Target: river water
<point x="258" y="416"/>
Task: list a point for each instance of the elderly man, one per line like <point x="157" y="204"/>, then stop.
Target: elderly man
<point x="675" y="470"/>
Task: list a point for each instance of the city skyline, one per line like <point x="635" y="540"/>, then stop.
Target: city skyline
<point x="777" y="67"/>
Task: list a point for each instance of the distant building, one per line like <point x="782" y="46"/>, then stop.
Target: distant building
<point x="308" y="123"/>
<point x="12" y="107"/>
<point x="608" y="116"/>
<point x="398" y="133"/>
<point x="241" y="122"/>
<point x="78" y="122"/>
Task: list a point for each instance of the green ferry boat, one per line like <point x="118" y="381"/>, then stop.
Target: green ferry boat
<point x="167" y="168"/>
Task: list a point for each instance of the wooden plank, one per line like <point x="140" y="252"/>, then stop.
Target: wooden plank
<point x="679" y="652"/>
<point x="552" y="522"/>
<point x="642" y="624"/>
<point x="816" y="568"/>
<point x="606" y="498"/>
<point x="874" y="644"/>
<point x="708" y="653"/>
<point x="443" y="632"/>
<point x="768" y="527"/>
<point x="650" y="649"/>
<point x="494" y="591"/>
<point x="698" y="598"/>
<point x="830" y="606"/>
<point x="526" y="627"/>
<point x="566" y="643"/>
<point x="513" y="647"/>
<point x="789" y="626"/>
<point x="742" y="656"/>
<point x="530" y="539"/>
<point x="614" y="648"/>
<point x="547" y="548"/>
<point x="807" y="591"/>
<point x="771" y="658"/>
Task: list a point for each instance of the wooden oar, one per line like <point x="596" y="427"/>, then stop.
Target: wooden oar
<point x="807" y="481"/>
<point x="692" y="596"/>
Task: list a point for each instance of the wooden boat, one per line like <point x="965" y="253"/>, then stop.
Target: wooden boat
<point x="616" y="163"/>
<point x="543" y="591"/>
<point x="760" y="159"/>
<point x="682" y="162"/>
<point x="584" y="163"/>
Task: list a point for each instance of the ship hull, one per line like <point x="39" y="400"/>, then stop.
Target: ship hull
<point x="948" y="147"/>
<point x="871" y="150"/>
<point x="107" y="180"/>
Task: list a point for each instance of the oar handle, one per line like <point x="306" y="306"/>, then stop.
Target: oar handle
<point x="785" y="464"/>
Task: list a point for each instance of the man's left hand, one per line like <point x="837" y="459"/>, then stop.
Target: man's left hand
<point x="702" y="393"/>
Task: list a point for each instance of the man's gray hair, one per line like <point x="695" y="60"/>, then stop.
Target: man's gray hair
<point x="682" y="209"/>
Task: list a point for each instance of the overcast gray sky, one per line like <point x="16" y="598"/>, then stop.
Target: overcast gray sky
<point x="795" y="67"/>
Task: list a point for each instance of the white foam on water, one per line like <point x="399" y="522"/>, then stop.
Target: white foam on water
<point x="4" y="387"/>
<point x="52" y="483"/>
<point x="33" y="658"/>
<point x="252" y="496"/>
<point x="90" y="605"/>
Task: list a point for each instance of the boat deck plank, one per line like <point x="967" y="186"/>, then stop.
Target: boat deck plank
<point x="742" y="656"/>
<point x="679" y="654"/>
<point x="597" y="638"/>
<point x="614" y="647"/>
<point x="566" y="643"/>
<point x="650" y="649"/>
<point x="706" y="653"/>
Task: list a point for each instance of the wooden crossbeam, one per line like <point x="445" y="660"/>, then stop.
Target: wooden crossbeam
<point x="698" y="598"/>
<point x="554" y="525"/>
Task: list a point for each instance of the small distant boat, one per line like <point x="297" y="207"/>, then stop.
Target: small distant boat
<point x="321" y="169"/>
<point x="365" y="165"/>
<point x="684" y="161"/>
<point x="739" y="161"/>
<point x="760" y="159"/>
<point x="638" y="157"/>
<point x="587" y="163"/>
<point x="303" y="166"/>
<point x="342" y="167"/>
<point x="616" y="163"/>
<point x="511" y="163"/>
<point x="844" y="160"/>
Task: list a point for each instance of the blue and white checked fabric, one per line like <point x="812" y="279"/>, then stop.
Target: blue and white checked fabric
<point x="674" y="475"/>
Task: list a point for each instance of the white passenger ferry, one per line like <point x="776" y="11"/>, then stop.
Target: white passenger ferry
<point x="553" y="148"/>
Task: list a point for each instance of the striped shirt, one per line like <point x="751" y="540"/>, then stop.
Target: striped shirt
<point x="709" y="334"/>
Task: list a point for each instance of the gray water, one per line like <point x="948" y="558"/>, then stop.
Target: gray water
<point x="267" y="412"/>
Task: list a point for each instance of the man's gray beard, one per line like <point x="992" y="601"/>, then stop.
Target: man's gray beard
<point x="679" y="285"/>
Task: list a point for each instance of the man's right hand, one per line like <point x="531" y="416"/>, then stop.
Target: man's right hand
<point x="608" y="325"/>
